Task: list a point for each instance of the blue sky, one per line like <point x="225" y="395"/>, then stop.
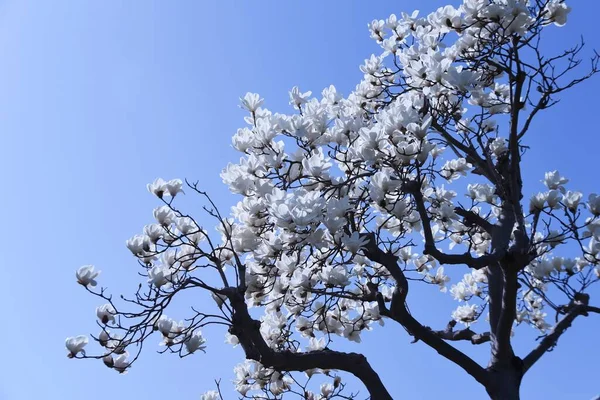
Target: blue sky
<point x="99" y="98"/>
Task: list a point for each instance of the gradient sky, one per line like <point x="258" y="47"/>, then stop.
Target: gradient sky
<point x="98" y="98"/>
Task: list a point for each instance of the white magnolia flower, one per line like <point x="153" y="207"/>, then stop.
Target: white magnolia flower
<point x="453" y="169"/>
<point x="76" y="344"/>
<point x="164" y="215"/>
<point x="553" y="180"/>
<point x="121" y="363"/>
<point x="331" y="95"/>
<point x="440" y="279"/>
<point x="317" y="164"/>
<point x="251" y="102"/>
<point x="194" y="342"/>
<point x="326" y="389"/>
<point x="298" y="98"/>
<point x="104" y="337"/>
<point x="499" y="146"/>
<point x="315" y="344"/>
<point x="154" y="232"/>
<point x="354" y="242"/>
<point x="537" y="202"/>
<point x="335" y="275"/>
<point x="231" y="339"/>
<point x="161" y="188"/>
<point x="174" y="186"/>
<point x="593" y="204"/>
<point x="572" y="200"/>
<point x="158" y="187"/>
<point x="106" y="313"/>
<point x="553" y="198"/>
<point x="86" y="275"/>
<point x="108" y="360"/>
<point x="465" y="314"/>
<point x="210" y="395"/>
<point x="159" y="276"/>
<point x="481" y="192"/>
<point x="138" y="244"/>
<point x="164" y="325"/>
<point x="218" y="298"/>
<point x="117" y="345"/>
<point x="556" y="11"/>
<point x="460" y="291"/>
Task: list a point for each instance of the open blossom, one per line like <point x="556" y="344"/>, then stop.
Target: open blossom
<point x="498" y="146"/>
<point x="194" y="342"/>
<point x="481" y="192"/>
<point x="164" y="215"/>
<point x="161" y="188"/>
<point x="76" y="344"/>
<point x="159" y="275"/>
<point x="218" y="298"/>
<point x="553" y="199"/>
<point x="354" y="242"/>
<point x="440" y="279"/>
<point x="121" y="363"/>
<point x="460" y="291"/>
<point x="138" y="244"/>
<point x="251" y="102"/>
<point x="106" y="313"/>
<point x="174" y="186"/>
<point x="108" y="360"/>
<point x="158" y="187"/>
<point x="210" y="395"/>
<point x="231" y="339"/>
<point x="326" y="389"/>
<point x="86" y="275"/>
<point x="553" y="180"/>
<point x="186" y="225"/>
<point x="104" y="337"/>
<point x="154" y="232"/>
<point x="331" y="95"/>
<point x="164" y="325"/>
<point x="593" y="204"/>
<point x="453" y="169"/>
<point x="315" y="344"/>
<point x="298" y="98"/>
<point x="572" y="199"/>
<point x="316" y="165"/>
<point x="537" y="202"/>
<point x="335" y="275"/>
<point x="556" y="11"/>
<point x="465" y="314"/>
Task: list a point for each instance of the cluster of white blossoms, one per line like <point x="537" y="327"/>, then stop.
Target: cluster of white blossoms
<point x="305" y="176"/>
<point x="319" y="184"/>
<point x="251" y="375"/>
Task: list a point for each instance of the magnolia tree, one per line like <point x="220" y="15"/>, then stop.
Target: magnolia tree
<point x="347" y="202"/>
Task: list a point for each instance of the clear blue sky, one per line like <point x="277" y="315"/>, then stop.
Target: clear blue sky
<point x="98" y="98"/>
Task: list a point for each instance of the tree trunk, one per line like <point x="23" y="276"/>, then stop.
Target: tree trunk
<point x="504" y="384"/>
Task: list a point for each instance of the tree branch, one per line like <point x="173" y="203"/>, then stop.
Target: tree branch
<point x="577" y="308"/>
<point x="247" y="330"/>
<point x="464" y="334"/>
<point x="476" y="219"/>
<point x="399" y="313"/>
<point x="413" y="188"/>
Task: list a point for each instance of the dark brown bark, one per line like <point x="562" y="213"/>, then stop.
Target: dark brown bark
<point x="504" y="384"/>
<point x="247" y="330"/>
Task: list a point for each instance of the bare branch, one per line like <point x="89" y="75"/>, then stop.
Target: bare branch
<point x="247" y="330"/>
<point x="576" y="308"/>
<point x="464" y="334"/>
